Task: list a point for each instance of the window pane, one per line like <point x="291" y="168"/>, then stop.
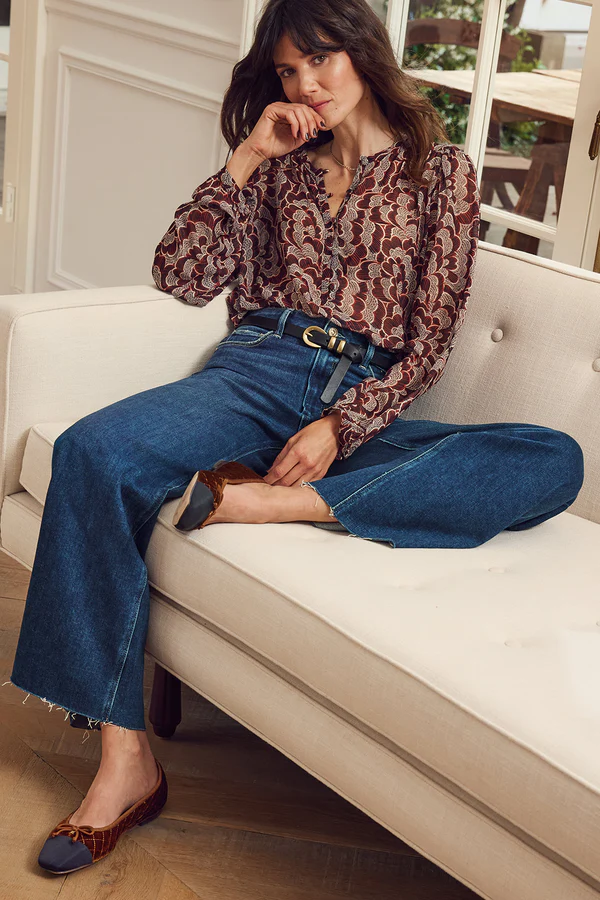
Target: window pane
<point x="497" y="234"/>
<point x="380" y="7"/>
<point x="535" y="94"/>
<point x="442" y="40"/>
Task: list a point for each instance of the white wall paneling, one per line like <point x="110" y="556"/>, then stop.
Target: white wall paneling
<point x="132" y="103"/>
<point x="216" y="16"/>
<point x="96" y="216"/>
<point x="150" y="25"/>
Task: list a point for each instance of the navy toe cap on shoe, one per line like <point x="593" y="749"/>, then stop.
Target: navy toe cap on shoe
<point x="199" y="508"/>
<point x="60" y="855"/>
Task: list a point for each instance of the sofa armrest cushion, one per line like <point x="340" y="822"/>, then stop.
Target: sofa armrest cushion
<point x="65" y="354"/>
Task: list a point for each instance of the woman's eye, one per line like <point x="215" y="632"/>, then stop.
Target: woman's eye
<point x="284" y="74"/>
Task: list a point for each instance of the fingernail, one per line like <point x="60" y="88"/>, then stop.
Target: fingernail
<point x="315" y="132"/>
<point x="323" y="123"/>
<point x="307" y="136"/>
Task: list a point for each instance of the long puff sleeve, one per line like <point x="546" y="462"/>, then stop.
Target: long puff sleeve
<point x="437" y="309"/>
<point x="208" y="239"/>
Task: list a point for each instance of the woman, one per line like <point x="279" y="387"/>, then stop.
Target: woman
<point x="351" y="235"/>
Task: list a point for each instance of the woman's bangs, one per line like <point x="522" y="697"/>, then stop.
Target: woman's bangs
<point x="306" y="35"/>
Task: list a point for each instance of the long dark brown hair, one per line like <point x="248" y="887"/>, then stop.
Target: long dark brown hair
<point x="315" y="26"/>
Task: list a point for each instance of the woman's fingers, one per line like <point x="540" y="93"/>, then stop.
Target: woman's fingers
<point x="305" y="118"/>
<point x="292" y="118"/>
<point x="305" y="124"/>
<point x="301" y="118"/>
<point x="309" y="123"/>
<point x="318" y="118"/>
<point x="313" y="121"/>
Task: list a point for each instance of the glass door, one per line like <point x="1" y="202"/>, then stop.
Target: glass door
<point x="508" y="79"/>
<point x="4" y="46"/>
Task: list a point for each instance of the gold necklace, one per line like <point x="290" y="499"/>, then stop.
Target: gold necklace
<point x="351" y="168"/>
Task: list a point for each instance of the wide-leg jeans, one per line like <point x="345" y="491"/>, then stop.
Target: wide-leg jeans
<point x="417" y="484"/>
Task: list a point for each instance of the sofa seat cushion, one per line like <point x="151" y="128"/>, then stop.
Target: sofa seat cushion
<point x="480" y="666"/>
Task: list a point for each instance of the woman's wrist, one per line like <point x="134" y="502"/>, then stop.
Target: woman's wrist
<point x="243" y="163"/>
<point x="336" y="419"/>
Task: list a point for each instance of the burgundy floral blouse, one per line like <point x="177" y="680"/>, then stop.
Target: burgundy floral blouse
<point x="394" y="264"/>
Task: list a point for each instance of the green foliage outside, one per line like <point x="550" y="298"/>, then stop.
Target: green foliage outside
<point x="517" y="137"/>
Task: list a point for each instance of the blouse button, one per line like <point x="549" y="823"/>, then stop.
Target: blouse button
<point x="497" y="334"/>
<point x="596" y="365"/>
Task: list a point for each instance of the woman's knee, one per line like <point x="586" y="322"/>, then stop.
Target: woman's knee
<point x="80" y="436"/>
<point x="570" y="458"/>
<point x="96" y="437"/>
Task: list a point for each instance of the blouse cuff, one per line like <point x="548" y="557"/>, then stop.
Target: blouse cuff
<point x="350" y="436"/>
<point x="244" y="200"/>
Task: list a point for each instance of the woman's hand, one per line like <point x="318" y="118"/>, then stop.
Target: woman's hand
<point x="308" y="453"/>
<point x="283" y="127"/>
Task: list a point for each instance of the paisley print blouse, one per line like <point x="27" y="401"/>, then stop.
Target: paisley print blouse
<point x="394" y="264"/>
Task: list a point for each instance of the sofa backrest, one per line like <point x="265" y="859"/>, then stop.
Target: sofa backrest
<point x="528" y="351"/>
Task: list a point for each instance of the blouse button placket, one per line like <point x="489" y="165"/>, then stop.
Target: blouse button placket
<point x="331" y="249"/>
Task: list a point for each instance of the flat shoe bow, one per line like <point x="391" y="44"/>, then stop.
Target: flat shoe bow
<point x="71" y="847"/>
<point x="204" y="493"/>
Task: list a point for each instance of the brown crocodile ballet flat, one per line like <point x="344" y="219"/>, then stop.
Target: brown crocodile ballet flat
<point x="204" y="493"/>
<point x="72" y="847"/>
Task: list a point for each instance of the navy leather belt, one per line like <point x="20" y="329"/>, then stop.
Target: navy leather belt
<point x="315" y="336"/>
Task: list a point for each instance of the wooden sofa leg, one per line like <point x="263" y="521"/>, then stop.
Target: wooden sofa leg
<point x="165" y="703"/>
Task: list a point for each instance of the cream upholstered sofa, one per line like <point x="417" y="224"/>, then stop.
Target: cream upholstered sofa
<point x="452" y="695"/>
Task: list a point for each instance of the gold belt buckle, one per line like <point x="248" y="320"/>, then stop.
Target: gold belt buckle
<point x="307" y="340"/>
<point x="331" y="345"/>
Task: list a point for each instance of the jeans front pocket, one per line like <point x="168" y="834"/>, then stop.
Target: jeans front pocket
<point x="246" y="336"/>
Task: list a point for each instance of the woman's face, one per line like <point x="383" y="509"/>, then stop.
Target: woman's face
<point x="319" y="77"/>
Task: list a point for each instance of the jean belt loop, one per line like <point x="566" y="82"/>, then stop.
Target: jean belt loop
<point x="282" y="320"/>
<point x="368" y="354"/>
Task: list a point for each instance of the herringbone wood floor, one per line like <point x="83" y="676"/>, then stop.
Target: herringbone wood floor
<point x="242" y="821"/>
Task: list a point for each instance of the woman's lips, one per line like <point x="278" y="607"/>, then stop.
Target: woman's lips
<point x="321" y="105"/>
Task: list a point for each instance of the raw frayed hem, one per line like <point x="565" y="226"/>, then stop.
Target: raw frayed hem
<point x="337" y="525"/>
<point x="68" y="713"/>
<point x="308" y="484"/>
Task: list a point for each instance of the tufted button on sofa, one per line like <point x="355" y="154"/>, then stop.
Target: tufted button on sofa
<point x="452" y="695"/>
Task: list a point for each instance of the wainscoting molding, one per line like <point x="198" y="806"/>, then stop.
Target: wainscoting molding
<point x="70" y="60"/>
<point x="158" y="27"/>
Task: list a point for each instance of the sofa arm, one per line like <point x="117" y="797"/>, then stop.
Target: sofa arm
<point x="65" y="354"/>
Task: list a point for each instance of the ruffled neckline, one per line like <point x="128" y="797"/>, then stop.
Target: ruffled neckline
<point x="364" y="160"/>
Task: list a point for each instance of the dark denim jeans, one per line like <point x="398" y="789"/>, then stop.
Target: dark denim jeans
<point x="417" y="484"/>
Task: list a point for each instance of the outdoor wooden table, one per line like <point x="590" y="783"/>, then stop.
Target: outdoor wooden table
<point x="535" y="98"/>
<point x="568" y="74"/>
<point x="543" y="95"/>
